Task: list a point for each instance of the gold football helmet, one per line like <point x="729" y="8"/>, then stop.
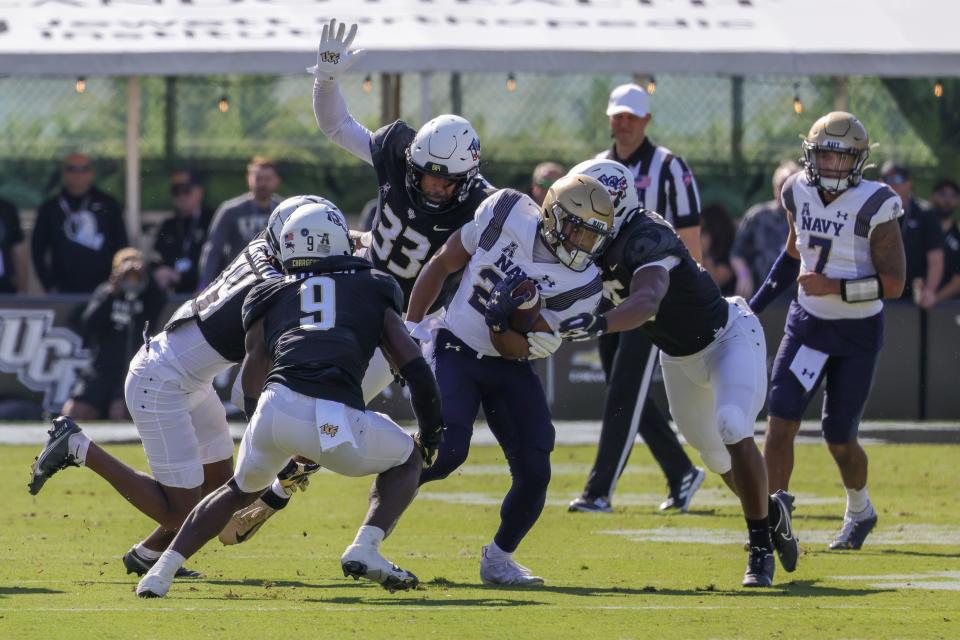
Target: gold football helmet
<point x="834" y="152"/>
<point x="576" y="220"/>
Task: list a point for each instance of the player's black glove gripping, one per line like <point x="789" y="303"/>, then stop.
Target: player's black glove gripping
<point x="502" y="303"/>
<point x="584" y="326"/>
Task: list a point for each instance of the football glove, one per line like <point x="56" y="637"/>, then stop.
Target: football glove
<point x="334" y="57"/>
<point x="428" y="443"/>
<point x="584" y="326"/>
<point x="543" y="344"/>
<point x="296" y="476"/>
<point x="501" y="303"/>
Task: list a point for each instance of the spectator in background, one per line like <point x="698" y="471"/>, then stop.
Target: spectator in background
<point x="77" y="232"/>
<point x="760" y="238"/>
<point x="237" y="221"/>
<point x="14" y="263"/>
<point x="112" y="328"/>
<point x="181" y="237"/>
<point x="716" y="240"/>
<point x="945" y="199"/>
<point x="544" y="175"/>
<point x="922" y="238"/>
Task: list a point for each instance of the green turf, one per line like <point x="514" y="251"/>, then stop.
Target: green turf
<point x="61" y="575"/>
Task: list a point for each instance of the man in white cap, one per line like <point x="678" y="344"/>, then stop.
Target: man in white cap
<point x="666" y="185"/>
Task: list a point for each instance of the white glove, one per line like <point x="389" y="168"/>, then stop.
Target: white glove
<point x="543" y="344"/>
<point x="333" y="55"/>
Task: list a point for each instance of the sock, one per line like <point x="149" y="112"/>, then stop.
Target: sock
<point x="858" y="501"/>
<point x="759" y="531"/>
<point x="279" y="491"/>
<point x="494" y="552"/>
<point x="166" y="567"/>
<point x="369" y="536"/>
<point x="145" y="553"/>
<point x="77" y="445"/>
<point x="273" y="500"/>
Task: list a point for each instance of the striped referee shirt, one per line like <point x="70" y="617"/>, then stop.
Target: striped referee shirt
<point x="664" y="183"/>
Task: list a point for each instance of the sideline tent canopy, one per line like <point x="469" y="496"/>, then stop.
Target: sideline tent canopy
<point x="199" y="37"/>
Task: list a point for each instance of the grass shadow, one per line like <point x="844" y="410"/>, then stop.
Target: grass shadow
<point x="428" y="602"/>
<point x="26" y="591"/>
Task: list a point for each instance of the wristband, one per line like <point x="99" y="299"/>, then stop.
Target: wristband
<point x="861" y="289"/>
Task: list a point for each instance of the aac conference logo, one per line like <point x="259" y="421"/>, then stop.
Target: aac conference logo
<point x="44" y="358"/>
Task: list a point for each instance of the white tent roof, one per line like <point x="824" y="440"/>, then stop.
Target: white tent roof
<point x="184" y="37"/>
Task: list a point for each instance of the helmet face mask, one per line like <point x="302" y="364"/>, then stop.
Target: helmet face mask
<point x="835" y="152"/>
<point x="447" y="147"/>
<point x="311" y="233"/>
<point x="576" y="220"/>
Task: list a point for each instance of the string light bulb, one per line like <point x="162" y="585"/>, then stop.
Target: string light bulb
<point x="938" y="89"/>
<point x="652" y="85"/>
<point x="223" y="104"/>
<point x="511" y="82"/>
<point x="81" y="84"/>
<point x="367" y="84"/>
<point x="797" y="105"/>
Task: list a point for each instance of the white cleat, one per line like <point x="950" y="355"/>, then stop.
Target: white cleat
<point x="245" y="522"/>
<point x="153" y="585"/>
<point x="364" y="561"/>
<point x="506" y="572"/>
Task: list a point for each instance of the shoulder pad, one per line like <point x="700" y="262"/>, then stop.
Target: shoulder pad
<point x="650" y="240"/>
<point x="391" y="137"/>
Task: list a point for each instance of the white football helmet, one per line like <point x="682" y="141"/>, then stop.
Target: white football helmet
<point x="447" y="147"/>
<point x="619" y="183"/>
<point x="311" y="233"/>
<point x="280" y="214"/>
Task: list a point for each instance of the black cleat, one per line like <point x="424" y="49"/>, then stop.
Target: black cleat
<point x="760" y="567"/>
<point x="681" y="496"/>
<point x="785" y="542"/>
<point x="55" y="455"/>
<point x="853" y="533"/>
<point x="135" y="563"/>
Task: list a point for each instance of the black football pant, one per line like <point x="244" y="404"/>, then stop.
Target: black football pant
<point x="629" y="360"/>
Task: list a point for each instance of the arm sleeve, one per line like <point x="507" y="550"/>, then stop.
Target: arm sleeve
<point x="39" y="242"/>
<point x="424" y="395"/>
<point x="335" y="121"/>
<point x="684" y="201"/>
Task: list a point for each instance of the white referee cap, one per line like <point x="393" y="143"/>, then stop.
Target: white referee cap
<point x="629" y="98"/>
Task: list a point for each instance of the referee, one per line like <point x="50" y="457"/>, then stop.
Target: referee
<point x="666" y="185"/>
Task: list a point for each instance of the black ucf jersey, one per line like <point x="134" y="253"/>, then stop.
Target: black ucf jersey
<point x="218" y="307"/>
<point x="405" y="238"/>
<point x="322" y="326"/>
<point x="692" y="311"/>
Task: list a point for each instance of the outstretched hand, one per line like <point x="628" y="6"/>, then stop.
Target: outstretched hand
<point x="334" y="57"/>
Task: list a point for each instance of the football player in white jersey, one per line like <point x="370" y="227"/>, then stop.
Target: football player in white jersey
<point x="482" y="356"/>
<point x="845" y="245"/>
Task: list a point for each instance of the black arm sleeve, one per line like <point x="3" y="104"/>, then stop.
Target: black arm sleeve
<point x="424" y="395"/>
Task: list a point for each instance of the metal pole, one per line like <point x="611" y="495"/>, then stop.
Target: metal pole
<point x="456" y="94"/>
<point x="133" y="160"/>
<point x="170" y="122"/>
<point x="841" y="96"/>
<point x="426" y="107"/>
<point x="736" y="136"/>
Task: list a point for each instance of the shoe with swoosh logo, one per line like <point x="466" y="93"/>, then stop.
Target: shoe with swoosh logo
<point x="785" y="542"/>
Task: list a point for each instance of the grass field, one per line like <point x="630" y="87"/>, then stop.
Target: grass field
<point x="633" y="574"/>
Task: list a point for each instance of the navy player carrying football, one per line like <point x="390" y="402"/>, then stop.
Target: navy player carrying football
<point x="169" y="392"/>
<point x="845" y="244"/>
<point x="309" y="338"/>
<point x="481" y="360"/>
<point x="712" y="354"/>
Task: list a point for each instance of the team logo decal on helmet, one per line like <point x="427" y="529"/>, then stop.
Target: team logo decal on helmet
<point x="311" y="233"/>
<point x="619" y="183"/>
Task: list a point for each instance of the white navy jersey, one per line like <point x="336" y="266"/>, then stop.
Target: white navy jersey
<point x="218" y="308"/>
<point x="503" y="238"/>
<point x="834" y="239"/>
<point x="664" y="183"/>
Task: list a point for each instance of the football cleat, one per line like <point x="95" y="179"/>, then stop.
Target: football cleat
<point x="55" y="455"/>
<point x="681" y="498"/>
<point x="153" y="586"/>
<point x="244" y="523"/>
<point x="853" y="533"/>
<point x="135" y="563"/>
<point x="760" y="567"/>
<point x="365" y="561"/>
<point x="786" y="544"/>
<point x="505" y="571"/>
<point x="589" y="504"/>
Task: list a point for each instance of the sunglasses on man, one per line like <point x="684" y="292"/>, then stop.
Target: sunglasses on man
<point x="895" y="178"/>
<point x="181" y="189"/>
<point x="78" y="168"/>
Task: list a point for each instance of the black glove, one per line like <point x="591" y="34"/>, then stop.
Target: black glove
<point x="502" y="303"/>
<point x="584" y="326"/>
<point x="428" y="443"/>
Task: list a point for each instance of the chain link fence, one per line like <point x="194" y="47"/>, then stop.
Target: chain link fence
<point x="215" y="124"/>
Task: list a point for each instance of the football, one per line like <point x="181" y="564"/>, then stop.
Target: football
<point x="526" y="317"/>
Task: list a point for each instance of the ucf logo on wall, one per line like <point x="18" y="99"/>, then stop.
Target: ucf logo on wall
<point x="44" y="358"/>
